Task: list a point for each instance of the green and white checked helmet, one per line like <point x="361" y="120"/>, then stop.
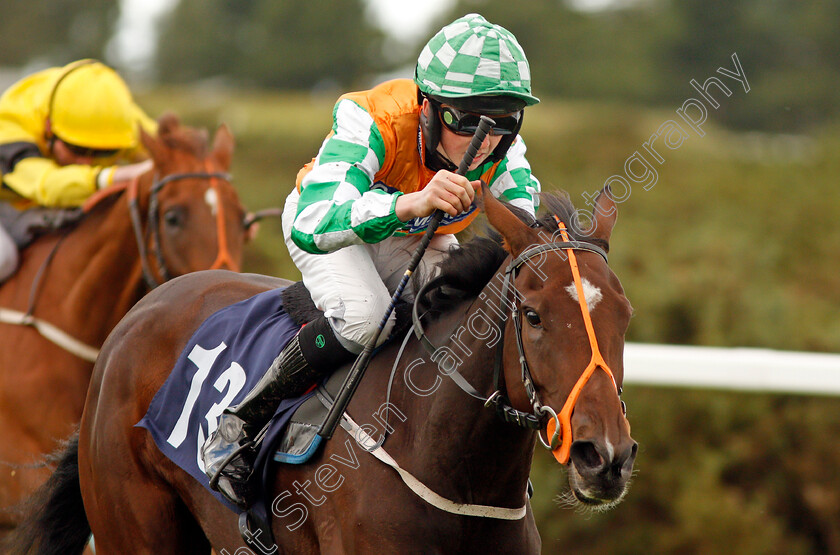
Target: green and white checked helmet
<point x="472" y="57"/>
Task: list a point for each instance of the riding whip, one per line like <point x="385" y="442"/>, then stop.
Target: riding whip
<point x="351" y="382"/>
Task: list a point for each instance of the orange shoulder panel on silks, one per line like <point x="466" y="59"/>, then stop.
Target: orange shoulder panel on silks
<point x="394" y="109"/>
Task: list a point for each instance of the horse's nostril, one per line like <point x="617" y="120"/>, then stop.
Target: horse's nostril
<point x="629" y="457"/>
<point x="623" y="463"/>
<point x="586" y="457"/>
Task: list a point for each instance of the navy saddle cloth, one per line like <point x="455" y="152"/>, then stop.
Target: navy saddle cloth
<point x="220" y="364"/>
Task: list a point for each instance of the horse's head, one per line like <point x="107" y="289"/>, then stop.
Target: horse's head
<point x="576" y="367"/>
<point x="195" y="219"/>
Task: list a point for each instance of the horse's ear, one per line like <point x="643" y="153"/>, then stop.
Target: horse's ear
<point x="167" y="124"/>
<point x="517" y="235"/>
<point x="605" y="215"/>
<point x="153" y="147"/>
<point x="223" y="146"/>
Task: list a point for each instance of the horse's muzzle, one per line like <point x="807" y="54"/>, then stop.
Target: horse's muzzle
<point x="599" y="474"/>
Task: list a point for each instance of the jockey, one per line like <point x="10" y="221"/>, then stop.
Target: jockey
<point x="360" y="208"/>
<point x="61" y="132"/>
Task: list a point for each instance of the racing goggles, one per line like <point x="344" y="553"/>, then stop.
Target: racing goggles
<point x="466" y="123"/>
<point x="83" y="151"/>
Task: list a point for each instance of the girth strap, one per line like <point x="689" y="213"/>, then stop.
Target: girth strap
<point x="51" y="332"/>
<point x="423" y="491"/>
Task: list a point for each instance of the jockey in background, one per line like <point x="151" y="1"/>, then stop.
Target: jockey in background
<point x="62" y="130"/>
<point x="360" y="208"/>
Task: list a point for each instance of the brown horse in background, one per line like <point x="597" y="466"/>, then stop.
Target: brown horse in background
<point x="85" y="280"/>
<point x="115" y="482"/>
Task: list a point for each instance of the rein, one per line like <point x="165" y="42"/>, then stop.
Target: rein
<point x="559" y="426"/>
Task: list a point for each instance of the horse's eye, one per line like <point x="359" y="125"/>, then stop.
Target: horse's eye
<point x="174" y="218"/>
<point x="533" y="318"/>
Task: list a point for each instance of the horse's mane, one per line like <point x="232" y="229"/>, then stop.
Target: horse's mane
<point x="470" y="267"/>
<point x="186" y="139"/>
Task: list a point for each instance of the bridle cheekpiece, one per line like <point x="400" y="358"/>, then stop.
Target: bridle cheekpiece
<point x="223" y="257"/>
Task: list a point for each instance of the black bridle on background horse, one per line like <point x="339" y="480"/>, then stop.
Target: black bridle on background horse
<point x="152" y="222"/>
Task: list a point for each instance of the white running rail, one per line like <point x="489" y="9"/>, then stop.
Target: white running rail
<point x="741" y="369"/>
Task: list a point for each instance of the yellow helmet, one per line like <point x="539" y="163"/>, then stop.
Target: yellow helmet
<point x="91" y="106"/>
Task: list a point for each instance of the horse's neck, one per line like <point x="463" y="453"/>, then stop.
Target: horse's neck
<point x="459" y="434"/>
<point x="95" y="275"/>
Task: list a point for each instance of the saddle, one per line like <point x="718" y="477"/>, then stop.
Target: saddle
<point x="300" y="440"/>
<point x="25" y="226"/>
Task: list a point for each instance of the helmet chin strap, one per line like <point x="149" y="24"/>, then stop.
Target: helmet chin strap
<point x="444" y="159"/>
<point x="430" y="138"/>
<point x="49" y="137"/>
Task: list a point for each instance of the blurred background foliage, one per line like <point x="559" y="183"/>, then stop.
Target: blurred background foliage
<point x="55" y="31"/>
<point x="270" y="44"/>
<point x="735" y="245"/>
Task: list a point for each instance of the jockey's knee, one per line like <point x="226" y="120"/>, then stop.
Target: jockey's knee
<point x="361" y="321"/>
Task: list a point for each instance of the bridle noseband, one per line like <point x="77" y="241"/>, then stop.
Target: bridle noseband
<point x="223" y="257"/>
<point x="558" y="425"/>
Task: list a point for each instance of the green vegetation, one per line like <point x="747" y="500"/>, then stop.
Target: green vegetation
<point x="640" y="51"/>
<point x="736" y="244"/>
<point x="645" y="51"/>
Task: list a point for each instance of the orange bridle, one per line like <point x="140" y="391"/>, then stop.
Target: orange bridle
<point x="559" y="426"/>
<point x="561" y="452"/>
<point x="223" y="257"/>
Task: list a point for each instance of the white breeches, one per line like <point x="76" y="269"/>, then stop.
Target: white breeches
<point x="8" y="255"/>
<point x="353" y="285"/>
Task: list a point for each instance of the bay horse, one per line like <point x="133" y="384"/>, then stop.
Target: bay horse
<point x="74" y="286"/>
<point x="556" y="330"/>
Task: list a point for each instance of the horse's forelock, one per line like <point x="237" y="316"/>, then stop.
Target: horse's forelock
<point x="560" y="205"/>
<point x="186" y="139"/>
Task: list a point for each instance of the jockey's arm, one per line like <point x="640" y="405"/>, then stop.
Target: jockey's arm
<point x="513" y="181"/>
<point x="115" y="175"/>
<point x="45" y="183"/>
<point x="337" y="206"/>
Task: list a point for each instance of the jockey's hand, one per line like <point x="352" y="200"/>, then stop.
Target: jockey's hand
<point x="130" y="171"/>
<point x="447" y="191"/>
